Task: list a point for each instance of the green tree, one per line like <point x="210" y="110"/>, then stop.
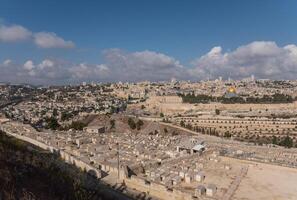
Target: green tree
<point x="287" y="142"/>
<point x="131" y="123"/>
<point x="182" y="123"/>
<point x="77" y="125"/>
<point x="217" y="111"/>
<point x="189" y="126"/>
<point x="165" y="130"/>
<point x="52" y="123"/>
<point x="274" y="140"/>
<point x="112" y="123"/>
<point x="227" y="134"/>
<point x="55" y="112"/>
<point x="66" y="116"/>
<point x="139" y="124"/>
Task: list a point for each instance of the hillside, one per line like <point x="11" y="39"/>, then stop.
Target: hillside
<point x="30" y="173"/>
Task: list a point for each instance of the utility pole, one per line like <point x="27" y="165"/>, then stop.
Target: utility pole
<point x="118" y="161"/>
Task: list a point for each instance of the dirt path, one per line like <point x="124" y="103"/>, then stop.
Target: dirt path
<point x="235" y="184"/>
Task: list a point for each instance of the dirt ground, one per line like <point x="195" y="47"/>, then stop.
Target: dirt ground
<point x="268" y="182"/>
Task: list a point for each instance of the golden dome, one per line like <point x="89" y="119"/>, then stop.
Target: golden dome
<point x="232" y="90"/>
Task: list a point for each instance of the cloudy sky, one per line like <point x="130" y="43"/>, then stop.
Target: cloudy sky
<point x="65" y="41"/>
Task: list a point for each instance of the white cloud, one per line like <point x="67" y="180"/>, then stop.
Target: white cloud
<point x="51" y="40"/>
<point x="32" y="73"/>
<point x="46" y="63"/>
<point x="102" y="68"/>
<point x="14" y="33"/>
<point x="85" y="71"/>
<point x="29" y="65"/>
<point x="81" y="71"/>
<point x="143" y="65"/>
<point x="7" y="62"/>
<point x="119" y="65"/>
<point x="264" y="59"/>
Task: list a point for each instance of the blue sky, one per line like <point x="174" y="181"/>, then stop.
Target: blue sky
<point x="182" y="30"/>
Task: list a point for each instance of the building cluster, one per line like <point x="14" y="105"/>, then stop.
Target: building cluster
<point x="65" y="103"/>
<point x="10" y="94"/>
<point x="156" y="97"/>
<point x="216" y="88"/>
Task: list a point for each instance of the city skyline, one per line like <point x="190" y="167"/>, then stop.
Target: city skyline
<point x="104" y="41"/>
<point x="151" y="100"/>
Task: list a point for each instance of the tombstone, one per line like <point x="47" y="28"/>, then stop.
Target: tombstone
<point x="200" y="190"/>
<point x="188" y="178"/>
<point x="227" y="167"/>
<point x="211" y="190"/>
<point x="199" y="177"/>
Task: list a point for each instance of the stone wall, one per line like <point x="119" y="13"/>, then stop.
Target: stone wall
<point x="155" y="189"/>
<point x="172" y="108"/>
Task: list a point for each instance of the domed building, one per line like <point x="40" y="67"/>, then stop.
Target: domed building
<point x="231" y="89"/>
<point x="231" y="92"/>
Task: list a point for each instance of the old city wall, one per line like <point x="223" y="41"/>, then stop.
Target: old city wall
<point x="155" y="189"/>
<point x="170" y="108"/>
